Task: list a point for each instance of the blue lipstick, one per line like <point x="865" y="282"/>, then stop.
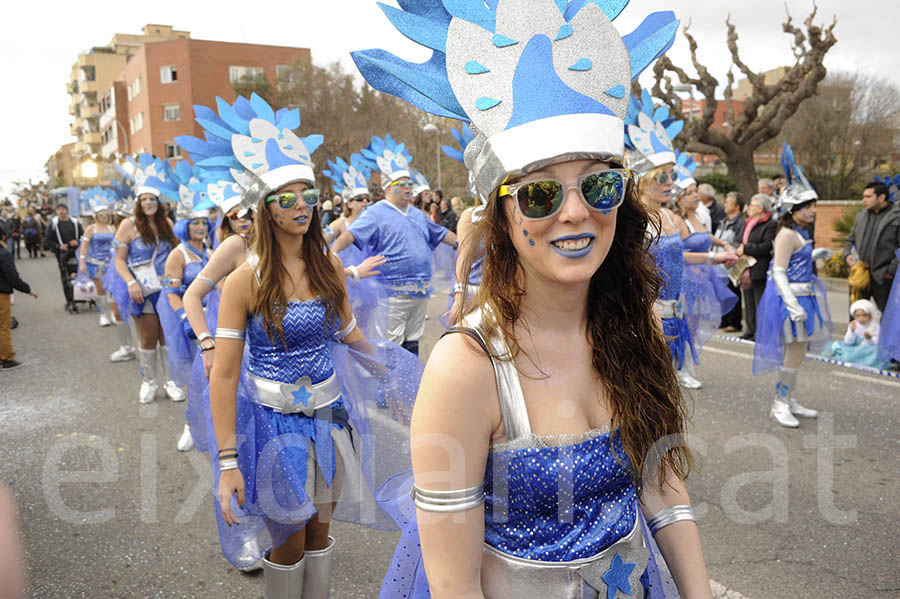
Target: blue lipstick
<point x="574" y="253"/>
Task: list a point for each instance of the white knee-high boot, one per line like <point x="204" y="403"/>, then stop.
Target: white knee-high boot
<point x="781" y="409"/>
<point x="126" y="345"/>
<point x="284" y="582"/>
<point x="172" y="390"/>
<point x="149" y="386"/>
<point x="317" y="577"/>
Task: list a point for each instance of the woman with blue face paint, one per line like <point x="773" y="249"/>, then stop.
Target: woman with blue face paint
<point x="538" y="464"/>
<point x="143" y="243"/>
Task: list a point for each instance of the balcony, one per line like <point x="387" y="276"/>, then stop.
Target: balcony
<point x="73" y="86"/>
<point x="88" y="87"/>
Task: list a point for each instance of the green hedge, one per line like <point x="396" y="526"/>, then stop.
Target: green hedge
<point x="722" y="182"/>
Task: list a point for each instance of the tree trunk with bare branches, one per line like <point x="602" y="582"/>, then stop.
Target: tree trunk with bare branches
<point x="765" y="111"/>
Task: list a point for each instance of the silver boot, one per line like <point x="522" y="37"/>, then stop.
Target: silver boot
<point x="284" y="582"/>
<point x="149" y="387"/>
<point x="172" y="390"/>
<point x="126" y="345"/>
<point x="781" y="409"/>
<point x="317" y="578"/>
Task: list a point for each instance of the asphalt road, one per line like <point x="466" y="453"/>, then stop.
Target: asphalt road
<point x="110" y="509"/>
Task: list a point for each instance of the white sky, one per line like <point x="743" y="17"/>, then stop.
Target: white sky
<point x="39" y="41"/>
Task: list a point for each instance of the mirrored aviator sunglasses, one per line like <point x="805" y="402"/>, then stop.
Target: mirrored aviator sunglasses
<point x="288" y="199"/>
<point x="603" y="191"/>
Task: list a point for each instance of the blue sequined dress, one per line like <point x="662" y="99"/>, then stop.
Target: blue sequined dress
<point x="774" y="326"/>
<point x="889" y="342"/>
<point x="99" y="254"/>
<point x="668" y="250"/>
<point x="140" y="253"/>
<point x="548" y="499"/>
<point x="707" y="297"/>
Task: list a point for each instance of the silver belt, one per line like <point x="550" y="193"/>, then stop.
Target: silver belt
<point x="669" y="308"/>
<point x="802" y="289"/>
<point x="420" y="288"/>
<point x="302" y="397"/>
<point x="97" y="261"/>
<point x="507" y="577"/>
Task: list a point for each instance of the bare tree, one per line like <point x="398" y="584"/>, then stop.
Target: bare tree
<point x="842" y="134"/>
<point x="765" y="111"/>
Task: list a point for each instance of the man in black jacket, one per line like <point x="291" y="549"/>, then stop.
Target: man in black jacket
<point x="876" y="234"/>
<point x="64" y="237"/>
<point x="731" y="231"/>
<point x="9" y="281"/>
<point x="762" y="228"/>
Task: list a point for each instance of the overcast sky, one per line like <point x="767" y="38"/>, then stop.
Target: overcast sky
<point x="39" y="43"/>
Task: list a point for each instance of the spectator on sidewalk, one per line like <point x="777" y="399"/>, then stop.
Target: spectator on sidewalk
<point x="759" y="234"/>
<point x="63" y="238"/>
<point x="31" y="232"/>
<point x="708" y="205"/>
<point x="875" y="234"/>
<point x="731" y="231"/>
<point x="9" y="281"/>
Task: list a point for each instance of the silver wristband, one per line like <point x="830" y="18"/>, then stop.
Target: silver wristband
<point x="229" y="464"/>
<point x="207" y="280"/>
<point x="230" y="334"/>
<point x="458" y="288"/>
<point x="670" y="515"/>
<point x="203" y="336"/>
<point x="448" y="501"/>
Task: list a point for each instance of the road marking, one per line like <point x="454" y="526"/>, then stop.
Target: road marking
<point x="720" y="591"/>
<point x="727" y="352"/>
<point x="867" y="379"/>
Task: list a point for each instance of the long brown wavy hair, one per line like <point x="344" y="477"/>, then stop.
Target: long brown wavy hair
<point x="630" y="355"/>
<point x="163" y="225"/>
<point x="269" y="298"/>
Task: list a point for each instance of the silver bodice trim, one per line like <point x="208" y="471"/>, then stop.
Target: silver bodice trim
<point x="448" y="501"/>
<point x="222" y="333"/>
<point x="670" y="515"/>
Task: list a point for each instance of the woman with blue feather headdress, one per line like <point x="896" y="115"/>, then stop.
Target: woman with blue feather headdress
<point x="792" y="317"/>
<point x="96" y="247"/>
<point x="530" y="476"/>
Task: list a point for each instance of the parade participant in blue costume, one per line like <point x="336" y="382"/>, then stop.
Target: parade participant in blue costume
<point x="123" y="208"/>
<point x="404" y="236"/>
<point x="143" y="243"/>
<point x="541" y="494"/>
<point x="889" y="342"/>
<point x="443" y="257"/>
<point x="649" y="139"/>
<point x="792" y="316"/>
<point x="96" y="247"/>
<point x="290" y="437"/>
<point x="182" y="267"/>
<point x="367" y="295"/>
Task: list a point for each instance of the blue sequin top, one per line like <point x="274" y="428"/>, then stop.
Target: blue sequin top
<point x="100" y="248"/>
<point x="698" y="242"/>
<point x="140" y="253"/>
<point x="308" y="353"/>
<point x="669" y="253"/>
<point x="800" y="267"/>
<point x="561" y="503"/>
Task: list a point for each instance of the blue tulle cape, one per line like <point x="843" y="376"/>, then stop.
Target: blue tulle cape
<point x="707" y="299"/>
<point x="889" y="341"/>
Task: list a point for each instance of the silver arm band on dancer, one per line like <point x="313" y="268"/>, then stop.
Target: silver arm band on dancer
<point x="670" y="515"/>
<point x="448" y="501"/>
<point x="230" y="334"/>
<point x="208" y="281"/>
<point x="346" y="330"/>
<point x="230" y="464"/>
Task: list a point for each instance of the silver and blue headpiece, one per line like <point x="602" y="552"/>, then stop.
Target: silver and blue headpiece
<point x="188" y="193"/>
<point x="227" y="195"/>
<point x="349" y="180"/>
<point x="893" y="185"/>
<point x="150" y="174"/>
<point x="388" y="156"/>
<point x="463" y="137"/>
<point x="97" y="199"/>
<point x="541" y="81"/>
<point x="419" y="182"/>
<point x="649" y="134"/>
<point x="798" y="190"/>
<point x="252" y="145"/>
<point x="684" y="167"/>
<point x="124" y="193"/>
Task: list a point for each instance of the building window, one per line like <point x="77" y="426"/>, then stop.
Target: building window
<point x="171" y="112"/>
<point x="134" y="89"/>
<point x="136" y="123"/>
<point x="168" y="74"/>
<point x="173" y="150"/>
<point x="236" y="73"/>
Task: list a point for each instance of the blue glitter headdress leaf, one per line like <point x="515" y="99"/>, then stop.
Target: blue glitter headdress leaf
<point x="649" y="134"/>
<point x="509" y="64"/>
<point x="349" y="180"/>
<point x="685" y="167"/>
<point x="388" y="157"/>
<point x="798" y="189"/>
<point x="188" y="193"/>
<point x="420" y="183"/>
<point x="463" y="137"/>
<point x="893" y="185"/>
<point x="149" y="175"/>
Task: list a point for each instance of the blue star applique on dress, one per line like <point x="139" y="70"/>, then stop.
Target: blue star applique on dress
<point x="616" y="578"/>
<point x="301" y="395"/>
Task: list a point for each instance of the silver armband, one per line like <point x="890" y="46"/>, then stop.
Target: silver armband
<point x="448" y="501"/>
<point x="230" y="334"/>
<point x="458" y="288"/>
<point x="346" y="330"/>
<point x="207" y="280"/>
<point x="354" y="272"/>
<point x="202" y="336"/>
<point x="670" y="515"/>
<point x="231" y="464"/>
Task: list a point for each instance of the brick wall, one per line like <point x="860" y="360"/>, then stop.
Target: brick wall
<point x="826" y="214"/>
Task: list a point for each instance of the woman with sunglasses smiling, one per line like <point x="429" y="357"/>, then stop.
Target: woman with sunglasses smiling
<point x="535" y="460"/>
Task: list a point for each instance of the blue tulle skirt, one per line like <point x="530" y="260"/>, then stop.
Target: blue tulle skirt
<point x="707" y="299"/>
<point x="182" y="350"/>
<point x="443" y="263"/>
<point x="198" y="384"/>
<point x="274" y="448"/>
<point x="96" y="271"/>
<point x="368" y="297"/>
<point x="117" y="286"/>
<point x="406" y="577"/>
<point x="863" y="355"/>
<point x="889" y="340"/>
<point x="679" y="340"/>
<point x="772" y="320"/>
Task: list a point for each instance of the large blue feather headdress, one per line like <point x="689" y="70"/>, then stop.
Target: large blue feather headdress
<point x="97" y="199"/>
<point x="649" y="134"/>
<point x="188" y="193"/>
<point x="893" y="185"/>
<point x="685" y="167"/>
<point x="226" y="195"/>
<point x="249" y="143"/>
<point x="124" y="192"/>
<point x="541" y="81"/>
<point x="463" y="137"/>
<point x="350" y="180"/>
<point x="419" y="182"/>
<point x="150" y="174"/>
<point x="798" y="190"/>
<point x="389" y="157"/>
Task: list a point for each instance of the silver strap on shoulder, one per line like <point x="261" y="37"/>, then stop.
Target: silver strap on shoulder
<point x="448" y="501"/>
<point x="207" y="280"/>
<point x="230" y="334"/>
<point x="346" y="330"/>
<point x="509" y="389"/>
<point x="670" y="515"/>
<point x="253" y="261"/>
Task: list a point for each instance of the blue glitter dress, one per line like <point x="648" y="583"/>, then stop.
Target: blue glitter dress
<point x="139" y="253"/>
<point x="668" y="250"/>
<point x="889" y="342"/>
<point x="99" y="254"/>
<point x="548" y="499"/>
<point x="774" y="326"/>
<point x="707" y="297"/>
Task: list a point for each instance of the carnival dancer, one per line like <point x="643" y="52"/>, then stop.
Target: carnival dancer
<point x="123" y="208"/>
<point x="182" y="267"/>
<point x="143" y="243"/>
<point x="541" y="494"/>
<point x="793" y="313"/>
<point x="649" y="135"/>
<point x="404" y="236"/>
<point x="96" y="247"/>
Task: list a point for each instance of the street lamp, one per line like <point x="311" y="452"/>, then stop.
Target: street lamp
<point x="432" y="128"/>
<point x="89" y="169"/>
<point x="689" y="88"/>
